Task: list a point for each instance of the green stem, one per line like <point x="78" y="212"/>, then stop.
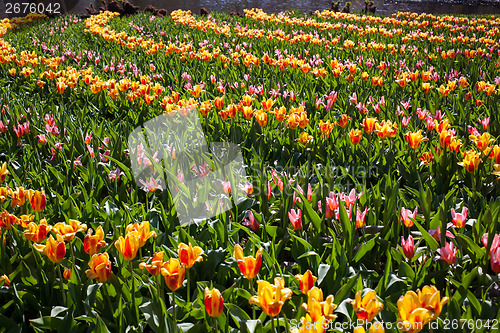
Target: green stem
<point x="173" y="311"/>
<point x="253" y="292"/>
<point x="188" y="287"/>
<point x="216" y="325"/>
<point x="61" y="283"/>
<point x="136" y="314"/>
<point x="272" y="325"/>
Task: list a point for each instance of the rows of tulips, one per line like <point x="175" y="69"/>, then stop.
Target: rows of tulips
<point x="364" y="137"/>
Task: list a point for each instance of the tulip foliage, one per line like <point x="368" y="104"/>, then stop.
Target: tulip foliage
<point x="372" y="158"/>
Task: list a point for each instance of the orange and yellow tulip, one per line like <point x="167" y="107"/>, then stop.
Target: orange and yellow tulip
<point x="156" y="264"/>
<point x="412" y="316"/>
<point x="271" y="297"/>
<point x="318" y="308"/>
<point x="248" y="266"/>
<point x="214" y="303"/>
<point x="38" y="201"/>
<point x="414" y="139"/>
<point x="129" y="245"/>
<point x="100" y="267"/>
<point x="4" y="280"/>
<point x="143" y="230"/>
<point x="93" y="243"/>
<point x="37" y="233"/>
<point x="369" y="125"/>
<point x="54" y="249"/>
<point x="355" y="136"/>
<point x="3" y="172"/>
<point x="189" y="255"/>
<point x="431" y="300"/>
<point x="306" y="281"/>
<point x="68" y="231"/>
<point x="368" y="307"/>
<point x="482" y="141"/>
<point x="471" y="161"/>
<point x="173" y="272"/>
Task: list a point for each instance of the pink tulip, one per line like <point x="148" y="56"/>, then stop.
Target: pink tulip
<point x="408" y="247"/>
<point x="494" y="245"/>
<point x="407" y="215"/>
<point x="495" y="260"/>
<point x="360" y="217"/>
<point x="309" y="192"/>
<point x="459" y="219"/>
<point x="295" y="218"/>
<point x="448" y="253"/>
<point x="437" y="233"/>
<point x="251" y="222"/>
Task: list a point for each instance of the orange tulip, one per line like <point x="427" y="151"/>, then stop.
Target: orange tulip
<point x="3" y="172"/>
<point x="214" y="303"/>
<point x="386" y="129"/>
<point x="68" y="231"/>
<point x="261" y="117"/>
<point x="38" y="201"/>
<point x="344" y="120"/>
<point x="482" y="141"/>
<point x="267" y="104"/>
<point x="219" y="102"/>
<point x="471" y="161"/>
<point x="430" y="299"/>
<point x="355" y="136"/>
<point x="37" y="233"/>
<point x="19" y="197"/>
<point x="248" y="266"/>
<point x="156" y="264"/>
<point x="304" y="138"/>
<point x="318" y="308"/>
<point x="368" y="307"/>
<point x="173" y="272"/>
<point x="4" y="280"/>
<point x="414" y="139"/>
<point x="306" y="281"/>
<point x="189" y="255"/>
<point x="67" y="273"/>
<point x="280" y="113"/>
<point x="271" y="297"/>
<point x="100" y="267"/>
<point x="412" y="316"/>
<point x="93" y="243"/>
<point x="54" y="249"/>
<point x="143" y="230"/>
<point x="129" y="245"/>
<point x="369" y="125"/>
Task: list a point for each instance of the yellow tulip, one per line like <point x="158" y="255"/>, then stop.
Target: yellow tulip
<point x="271" y="297"/>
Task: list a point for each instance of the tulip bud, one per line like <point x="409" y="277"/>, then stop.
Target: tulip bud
<point x="214" y="303"/>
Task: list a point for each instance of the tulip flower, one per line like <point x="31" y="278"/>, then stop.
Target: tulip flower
<point x="369" y="125"/>
<point x="189" y="255"/>
<point x="318" y="308"/>
<point x="93" y="243"/>
<point x="214" y="303"/>
<point x="306" y="281"/>
<point x="3" y="172"/>
<point x="368" y="307"/>
<point x="68" y="231"/>
<point x="482" y="141"/>
<point x="19" y="197"/>
<point x="412" y="316"/>
<point x="459" y="219"/>
<point x="156" y="264"/>
<point x="129" y="245"/>
<point x="355" y="136"/>
<point x="494" y="245"/>
<point x="360" y="217"/>
<point x="408" y="247"/>
<point x="304" y="138"/>
<point x="295" y="218"/>
<point x="414" y="139"/>
<point x="37" y="233"/>
<point x="495" y="260"/>
<point x="430" y="299"/>
<point x="251" y="222"/>
<point x="143" y="230"/>
<point x="67" y="273"/>
<point x="271" y="297"/>
<point x="448" y="253"/>
<point x="471" y="161"/>
<point x="4" y="280"/>
<point x="173" y="272"/>
<point x="248" y="266"/>
<point x="100" y="267"/>
<point x="55" y="249"/>
<point x="407" y="216"/>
